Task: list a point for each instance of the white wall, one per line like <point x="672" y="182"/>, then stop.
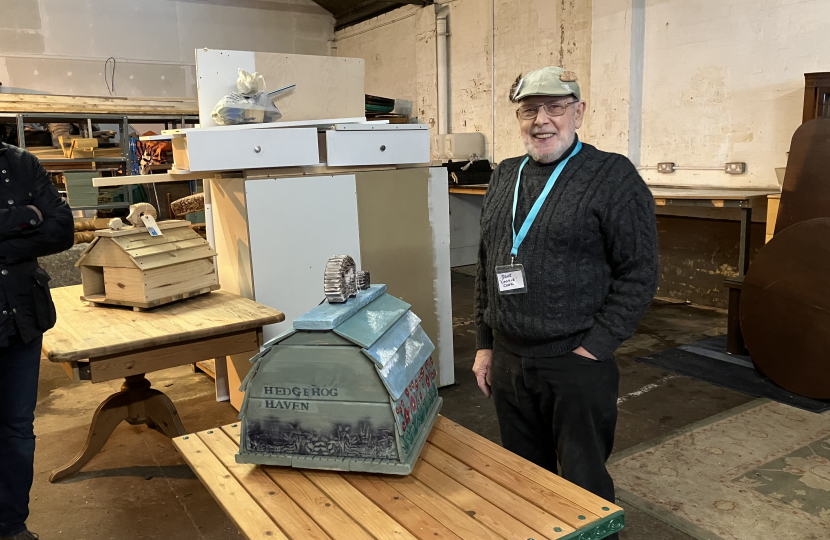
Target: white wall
<point x="60" y="46"/>
<point x="400" y="53"/>
<point x="713" y="81"/>
<point x="722" y="81"/>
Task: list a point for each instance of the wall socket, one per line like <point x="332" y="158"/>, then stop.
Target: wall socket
<point x="736" y="167"/>
<point x="665" y="167"/>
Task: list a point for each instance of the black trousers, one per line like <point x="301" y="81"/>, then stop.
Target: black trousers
<point x="559" y="411"/>
<point x="19" y="370"/>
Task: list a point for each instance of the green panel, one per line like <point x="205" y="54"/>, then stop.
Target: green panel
<point x="315" y="337"/>
<point x="329" y="373"/>
<point x="79" y="178"/>
<point x="602" y="528"/>
<point x="320" y="428"/>
<point x="83" y="190"/>
<point x="367" y="325"/>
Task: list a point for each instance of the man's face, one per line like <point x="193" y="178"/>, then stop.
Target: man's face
<point x="547" y="137"/>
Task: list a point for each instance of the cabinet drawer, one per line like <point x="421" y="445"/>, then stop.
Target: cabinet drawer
<point x="377" y="147"/>
<point x="252" y="149"/>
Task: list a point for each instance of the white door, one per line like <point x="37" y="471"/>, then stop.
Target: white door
<point x="295" y="226"/>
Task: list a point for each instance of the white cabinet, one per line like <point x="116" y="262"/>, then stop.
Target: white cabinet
<point x="381" y="147"/>
<point x="220" y="150"/>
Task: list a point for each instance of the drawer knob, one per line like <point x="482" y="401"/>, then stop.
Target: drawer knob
<point x="257" y="149"/>
<point x="383" y="148"/>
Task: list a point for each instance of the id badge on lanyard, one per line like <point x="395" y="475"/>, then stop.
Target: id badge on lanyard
<point x="511" y="278"/>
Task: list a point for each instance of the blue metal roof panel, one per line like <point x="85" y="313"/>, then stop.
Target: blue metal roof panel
<point x="329" y="316"/>
<point x="370" y="323"/>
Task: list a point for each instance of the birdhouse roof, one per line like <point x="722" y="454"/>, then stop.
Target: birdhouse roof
<point x="133" y="247"/>
<point x="383" y="326"/>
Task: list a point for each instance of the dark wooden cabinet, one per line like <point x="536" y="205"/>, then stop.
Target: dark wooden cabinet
<point x="816" y="96"/>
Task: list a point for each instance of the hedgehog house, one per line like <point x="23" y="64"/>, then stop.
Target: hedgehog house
<point x="352" y="387"/>
<point x="128" y="267"/>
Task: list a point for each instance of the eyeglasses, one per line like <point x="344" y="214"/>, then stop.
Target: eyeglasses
<point x="552" y="108"/>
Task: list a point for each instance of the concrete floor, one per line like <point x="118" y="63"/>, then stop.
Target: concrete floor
<point x="139" y="488"/>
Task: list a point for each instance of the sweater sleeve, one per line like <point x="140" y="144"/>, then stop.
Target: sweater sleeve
<point x="630" y="232"/>
<point x="484" y="334"/>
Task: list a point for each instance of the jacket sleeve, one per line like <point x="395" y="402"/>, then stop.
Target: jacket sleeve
<point x="14" y="220"/>
<point x="484" y="334"/>
<point x="54" y="234"/>
<point x="630" y="231"/>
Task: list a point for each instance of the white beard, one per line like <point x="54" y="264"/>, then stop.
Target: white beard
<point x="551" y="156"/>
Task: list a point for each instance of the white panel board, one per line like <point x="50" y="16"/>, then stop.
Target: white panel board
<point x="216" y="74"/>
<point x="252" y="149"/>
<point x="296" y="225"/>
<point x="327" y="87"/>
<point x="465" y="228"/>
<point x="439" y="218"/>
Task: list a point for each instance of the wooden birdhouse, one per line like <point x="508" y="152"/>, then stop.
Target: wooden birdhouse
<point x="128" y="267"/>
<point x="352" y="387"/>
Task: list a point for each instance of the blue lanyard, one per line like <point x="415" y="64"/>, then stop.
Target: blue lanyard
<point x="531" y="216"/>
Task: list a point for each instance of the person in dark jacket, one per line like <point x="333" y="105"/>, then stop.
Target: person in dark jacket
<point x="567" y="267"/>
<point x="34" y="222"/>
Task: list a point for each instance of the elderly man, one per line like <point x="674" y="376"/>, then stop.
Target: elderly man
<point x="34" y="221"/>
<point x="567" y="267"/>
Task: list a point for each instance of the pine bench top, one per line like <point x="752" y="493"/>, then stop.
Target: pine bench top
<point x="463" y="487"/>
<point x="84" y="331"/>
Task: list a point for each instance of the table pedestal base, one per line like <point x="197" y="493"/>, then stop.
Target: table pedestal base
<point x="136" y="403"/>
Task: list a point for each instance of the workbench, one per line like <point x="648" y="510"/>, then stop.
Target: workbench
<point x="463" y="487"/>
<point x="97" y="344"/>
<point x="745" y="199"/>
<point x="676" y="196"/>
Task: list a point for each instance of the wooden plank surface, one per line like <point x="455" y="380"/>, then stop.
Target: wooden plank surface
<point x="707" y="194"/>
<point x="248" y="515"/>
<point x="129" y="230"/>
<point x="171" y="176"/>
<point x="468" y="190"/>
<point x="48" y="103"/>
<point x="527" y="469"/>
<point x="444" y="498"/>
<point x="433" y="459"/>
<point x="553" y="502"/>
<point x="85" y="331"/>
<point x="273" y="500"/>
<point x="354" y="503"/>
<point x="146" y="360"/>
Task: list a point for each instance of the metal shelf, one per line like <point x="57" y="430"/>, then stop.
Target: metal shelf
<point x="60" y="161"/>
<point x="122" y="120"/>
<point x="107" y="206"/>
<point x="116" y="118"/>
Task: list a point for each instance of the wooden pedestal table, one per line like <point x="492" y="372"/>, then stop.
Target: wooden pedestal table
<point x="106" y="343"/>
<point x="463" y="487"/>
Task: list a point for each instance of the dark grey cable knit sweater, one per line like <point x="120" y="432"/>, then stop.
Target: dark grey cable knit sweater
<point x="590" y="258"/>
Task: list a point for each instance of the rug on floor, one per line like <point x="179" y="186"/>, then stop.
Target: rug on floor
<point x="707" y="361"/>
<point x="762" y="473"/>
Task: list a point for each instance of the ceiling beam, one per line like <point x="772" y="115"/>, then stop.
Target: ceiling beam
<point x="371" y="8"/>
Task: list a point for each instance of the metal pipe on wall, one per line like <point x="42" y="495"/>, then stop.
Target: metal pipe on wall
<point x="441" y="15"/>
